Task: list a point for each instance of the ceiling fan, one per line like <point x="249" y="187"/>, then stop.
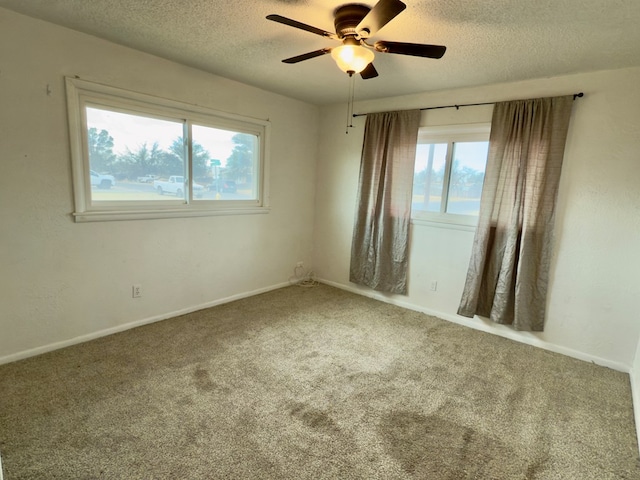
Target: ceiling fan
<point x="354" y="24"/>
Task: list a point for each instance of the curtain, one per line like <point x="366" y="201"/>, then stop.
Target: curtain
<point x="508" y="273"/>
<point x="379" y="250"/>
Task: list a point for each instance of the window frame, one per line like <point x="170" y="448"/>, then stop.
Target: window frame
<point x="82" y="94"/>
<point x="449" y="134"/>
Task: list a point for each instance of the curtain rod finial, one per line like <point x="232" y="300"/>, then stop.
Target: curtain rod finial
<point x="578" y="95"/>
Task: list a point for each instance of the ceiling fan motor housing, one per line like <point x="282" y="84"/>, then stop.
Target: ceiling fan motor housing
<point x="348" y="17"/>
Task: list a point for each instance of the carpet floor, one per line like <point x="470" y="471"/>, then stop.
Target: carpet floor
<point x="313" y="383"/>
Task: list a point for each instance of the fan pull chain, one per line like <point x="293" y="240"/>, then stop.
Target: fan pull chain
<point x="352" y="81"/>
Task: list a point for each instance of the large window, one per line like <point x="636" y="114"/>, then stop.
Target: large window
<point x="136" y="156"/>
<point x="449" y="173"/>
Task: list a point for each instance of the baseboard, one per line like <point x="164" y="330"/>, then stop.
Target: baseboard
<point x="467" y="322"/>
<point x="477" y="324"/>
<point x="127" y="326"/>
<point x="634" y="376"/>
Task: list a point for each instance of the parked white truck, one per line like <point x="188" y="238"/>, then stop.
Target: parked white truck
<point x="102" y="181"/>
<point x="175" y="186"/>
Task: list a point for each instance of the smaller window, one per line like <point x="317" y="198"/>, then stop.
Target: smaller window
<point x="449" y="173"/>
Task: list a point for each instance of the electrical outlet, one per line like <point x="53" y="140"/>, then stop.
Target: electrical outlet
<point x="434" y="286"/>
<point x="300" y="265"/>
<point x="136" y="291"/>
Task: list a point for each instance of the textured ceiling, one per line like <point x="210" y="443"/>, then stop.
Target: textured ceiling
<point x="488" y="41"/>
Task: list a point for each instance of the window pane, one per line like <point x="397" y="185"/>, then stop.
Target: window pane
<point x="467" y="177"/>
<point x="429" y="176"/>
<point x="133" y="157"/>
<point x="224" y="164"/>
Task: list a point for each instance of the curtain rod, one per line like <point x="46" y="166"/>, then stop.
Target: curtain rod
<point x="457" y="107"/>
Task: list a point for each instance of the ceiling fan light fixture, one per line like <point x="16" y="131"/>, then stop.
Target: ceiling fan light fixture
<point x="352" y="58"/>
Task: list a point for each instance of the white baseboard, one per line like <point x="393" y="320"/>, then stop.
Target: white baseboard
<point x="127" y="326"/>
<point x="635" y="395"/>
<point x="477" y="324"/>
<point x="467" y="322"/>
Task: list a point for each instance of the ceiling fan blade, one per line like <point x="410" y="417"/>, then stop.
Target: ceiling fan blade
<point x="382" y="13"/>
<point x="301" y="26"/>
<point x="307" y="56"/>
<point x="415" y="49"/>
<point x="369" y="72"/>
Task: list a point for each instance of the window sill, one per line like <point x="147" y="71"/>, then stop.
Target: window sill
<point x="111" y="215"/>
<point x="445" y="221"/>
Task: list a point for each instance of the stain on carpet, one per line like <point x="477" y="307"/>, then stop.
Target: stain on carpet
<point x="203" y="380"/>
<point x="314" y="418"/>
<point x="438" y="448"/>
<point x="204" y="383"/>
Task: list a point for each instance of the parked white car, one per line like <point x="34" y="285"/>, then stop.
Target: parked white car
<point x="147" y="179"/>
<point x="175" y="185"/>
<point x="102" y="181"/>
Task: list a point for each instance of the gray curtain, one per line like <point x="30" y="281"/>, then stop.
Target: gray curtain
<point x="379" y="250"/>
<point x="509" y="269"/>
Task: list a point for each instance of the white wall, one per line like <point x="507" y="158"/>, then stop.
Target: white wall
<point x="592" y="304"/>
<point x="60" y="280"/>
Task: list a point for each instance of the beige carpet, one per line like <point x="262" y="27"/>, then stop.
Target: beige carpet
<point x="313" y="383"/>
